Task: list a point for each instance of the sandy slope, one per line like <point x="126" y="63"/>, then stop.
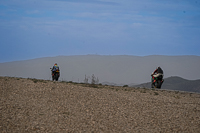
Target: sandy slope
<point x="29" y="105"/>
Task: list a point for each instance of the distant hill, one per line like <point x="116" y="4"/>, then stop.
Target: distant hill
<point x="177" y="83"/>
<point x="116" y="69"/>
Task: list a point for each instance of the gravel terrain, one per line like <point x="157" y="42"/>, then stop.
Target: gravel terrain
<point x="31" y="105"/>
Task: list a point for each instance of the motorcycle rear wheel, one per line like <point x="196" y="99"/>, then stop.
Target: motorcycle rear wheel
<point x="56" y="76"/>
<point x="158" y="84"/>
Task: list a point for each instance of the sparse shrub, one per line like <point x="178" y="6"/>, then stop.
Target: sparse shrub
<point x="38" y="80"/>
<point x="63" y="82"/>
<point x="177" y="97"/>
<point x="66" y="113"/>
<point x="176" y="92"/>
<point x="93" y="85"/>
<point x="94" y="81"/>
<point x="125" y="86"/>
<point x="86" y="79"/>
<point x="143" y="91"/>
<point x="35" y="80"/>
<point x="155" y="93"/>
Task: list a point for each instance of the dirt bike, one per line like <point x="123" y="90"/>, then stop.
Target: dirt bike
<point x="55" y="74"/>
<point x="158" y="83"/>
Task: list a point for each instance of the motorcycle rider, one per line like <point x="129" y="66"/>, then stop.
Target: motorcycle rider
<point x="158" y="72"/>
<point x="55" y="68"/>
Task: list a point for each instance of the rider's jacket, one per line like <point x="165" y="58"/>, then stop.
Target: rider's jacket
<point x="55" y="68"/>
<point x="158" y="70"/>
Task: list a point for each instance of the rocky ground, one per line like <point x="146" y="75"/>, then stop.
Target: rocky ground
<point x="31" y="105"/>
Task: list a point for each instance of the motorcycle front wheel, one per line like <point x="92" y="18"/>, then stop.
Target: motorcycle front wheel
<point x="158" y="84"/>
<point x="56" y="77"/>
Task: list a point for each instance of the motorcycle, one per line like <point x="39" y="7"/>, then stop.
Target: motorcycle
<point x="158" y="83"/>
<point x="55" y="74"/>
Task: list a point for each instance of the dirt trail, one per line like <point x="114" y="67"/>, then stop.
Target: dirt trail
<point x="30" y="105"/>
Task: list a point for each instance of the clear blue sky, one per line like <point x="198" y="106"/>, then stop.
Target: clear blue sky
<point x="42" y="28"/>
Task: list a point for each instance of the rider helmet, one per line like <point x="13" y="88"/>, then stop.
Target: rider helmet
<point x="158" y="67"/>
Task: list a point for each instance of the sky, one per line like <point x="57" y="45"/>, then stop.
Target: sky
<point x="44" y="28"/>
